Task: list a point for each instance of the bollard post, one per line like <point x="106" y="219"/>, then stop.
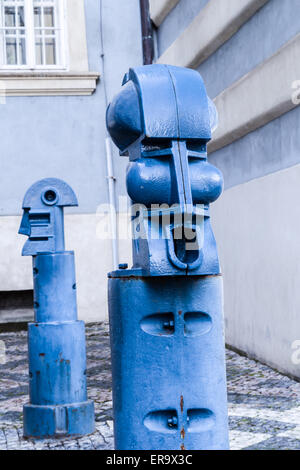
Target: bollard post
<point x="56" y="340"/>
<point x="166" y="319"/>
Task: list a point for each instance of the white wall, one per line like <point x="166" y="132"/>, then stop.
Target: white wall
<point x="257" y="226"/>
<point x="70" y="144"/>
<point x="93" y="260"/>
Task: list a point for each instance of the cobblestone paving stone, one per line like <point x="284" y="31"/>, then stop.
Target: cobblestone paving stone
<point x="264" y="406"/>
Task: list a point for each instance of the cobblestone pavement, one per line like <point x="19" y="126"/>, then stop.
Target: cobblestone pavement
<point x="264" y="406"/>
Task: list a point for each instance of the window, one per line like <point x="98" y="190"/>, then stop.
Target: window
<point x="43" y="48"/>
<point x="32" y="33"/>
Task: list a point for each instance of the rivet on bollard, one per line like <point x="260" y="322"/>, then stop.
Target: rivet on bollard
<point x="123" y="266"/>
<point x="173" y="422"/>
<point x="169" y="325"/>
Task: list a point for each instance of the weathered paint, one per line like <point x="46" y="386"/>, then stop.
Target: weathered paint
<point x="166" y="141"/>
<point x="166" y="320"/>
<point x="164" y="372"/>
<point x="56" y="341"/>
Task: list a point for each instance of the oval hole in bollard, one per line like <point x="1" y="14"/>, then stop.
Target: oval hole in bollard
<point x="197" y="323"/>
<point x="182" y="246"/>
<point x="159" y="324"/>
<point x="200" y="420"/>
<point x="185" y="251"/>
<point x="165" y="421"/>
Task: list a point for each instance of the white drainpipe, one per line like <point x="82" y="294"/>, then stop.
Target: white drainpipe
<point x="112" y="203"/>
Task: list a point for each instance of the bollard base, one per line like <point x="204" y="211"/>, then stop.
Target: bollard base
<point x="168" y="363"/>
<point x="42" y="422"/>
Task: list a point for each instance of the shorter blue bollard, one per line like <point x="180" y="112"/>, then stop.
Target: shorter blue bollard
<point x="56" y="340"/>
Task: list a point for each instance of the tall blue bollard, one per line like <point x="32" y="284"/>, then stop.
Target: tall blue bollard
<point x="56" y="340"/>
<point x="166" y="321"/>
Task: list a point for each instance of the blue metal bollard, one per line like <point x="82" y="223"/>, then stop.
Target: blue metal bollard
<point x="56" y="341"/>
<point x="166" y="321"/>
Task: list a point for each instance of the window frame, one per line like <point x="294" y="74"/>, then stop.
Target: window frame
<point x="61" y="17"/>
<point x="76" y="79"/>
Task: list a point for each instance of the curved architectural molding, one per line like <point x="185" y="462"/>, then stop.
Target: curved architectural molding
<point x="159" y="9"/>
<point x="47" y="84"/>
<point x="262" y="95"/>
<point x="214" y="25"/>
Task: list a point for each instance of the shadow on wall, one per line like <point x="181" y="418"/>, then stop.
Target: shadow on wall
<point x="16" y="309"/>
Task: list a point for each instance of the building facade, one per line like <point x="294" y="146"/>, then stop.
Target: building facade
<point x="248" y="54"/>
<point x="61" y="62"/>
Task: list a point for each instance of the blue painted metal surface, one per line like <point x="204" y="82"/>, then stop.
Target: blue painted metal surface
<point x="168" y="362"/>
<point x="166" y="140"/>
<point x="166" y="322"/>
<point x="56" y="340"/>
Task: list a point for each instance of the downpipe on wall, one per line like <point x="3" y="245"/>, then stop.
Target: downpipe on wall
<point x="112" y="203"/>
<point x="147" y="33"/>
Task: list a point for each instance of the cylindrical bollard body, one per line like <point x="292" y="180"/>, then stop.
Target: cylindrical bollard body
<point x="54" y="285"/>
<point x="65" y="365"/>
<point x="57" y="355"/>
<point x="169" y="385"/>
